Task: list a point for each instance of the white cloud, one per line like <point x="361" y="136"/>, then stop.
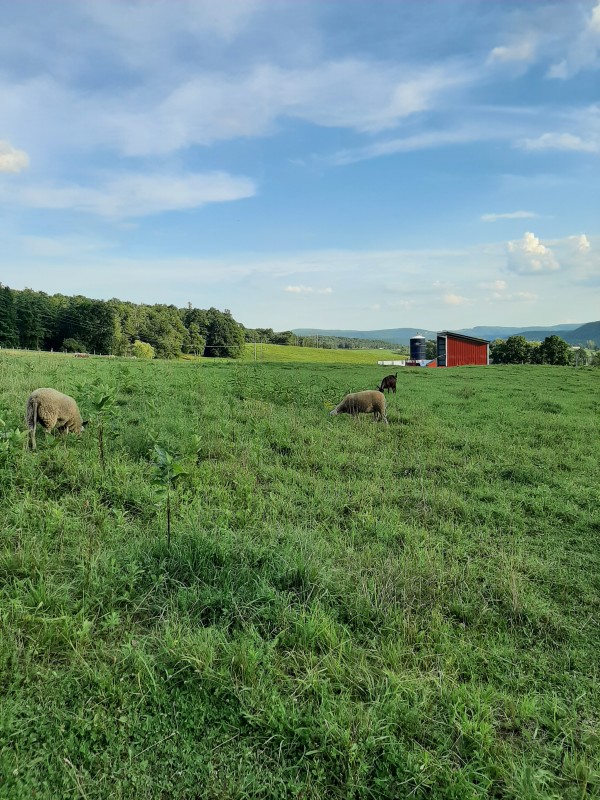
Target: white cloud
<point x="365" y="96"/>
<point x="206" y="105"/>
<point x="455" y="300"/>
<point x="134" y="195"/>
<point x="523" y="50"/>
<point x="501" y="294"/>
<point x="561" y="141"/>
<point x="426" y="140"/>
<point x="509" y="215"/>
<point x="583" y="52"/>
<point x="580" y="256"/>
<point x="581" y="243"/>
<point x="11" y="159"/>
<point x="307" y="290"/>
<point x="529" y="255"/>
<point x="514" y="297"/>
<point x="576" y="255"/>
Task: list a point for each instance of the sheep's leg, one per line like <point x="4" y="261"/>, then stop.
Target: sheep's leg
<point x="31" y="423"/>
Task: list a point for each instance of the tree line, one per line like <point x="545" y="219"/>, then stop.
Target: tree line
<point x="553" y="350"/>
<point x="269" y="336"/>
<point x="38" y="321"/>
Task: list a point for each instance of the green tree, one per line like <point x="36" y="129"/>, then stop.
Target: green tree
<point x="30" y="318"/>
<point x="225" y="337"/>
<point x="9" y="335"/>
<point x="142" y="350"/>
<point x="516" y="350"/>
<point x="163" y="328"/>
<point x="555" y="351"/>
<point x="195" y="341"/>
<point x="195" y="316"/>
<point x="73" y="346"/>
<point x="431" y="348"/>
<point x="284" y="337"/>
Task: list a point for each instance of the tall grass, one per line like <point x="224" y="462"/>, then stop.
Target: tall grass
<point x="346" y="610"/>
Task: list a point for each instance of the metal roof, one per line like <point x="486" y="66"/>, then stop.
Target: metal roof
<point x="463" y="337"/>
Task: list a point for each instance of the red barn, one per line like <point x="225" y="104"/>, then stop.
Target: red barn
<point x="458" y="350"/>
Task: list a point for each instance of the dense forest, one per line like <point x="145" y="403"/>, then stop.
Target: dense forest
<point x="38" y="321"/>
<point x="35" y="320"/>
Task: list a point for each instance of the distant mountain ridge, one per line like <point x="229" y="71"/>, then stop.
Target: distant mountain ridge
<point x="589" y="332"/>
<point x="574" y="333"/>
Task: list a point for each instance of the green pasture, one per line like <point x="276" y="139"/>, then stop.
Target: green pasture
<point x="346" y="610"/>
<point x="262" y="353"/>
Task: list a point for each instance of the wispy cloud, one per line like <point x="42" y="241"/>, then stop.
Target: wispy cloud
<point x="508" y="215"/>
<point x="361" y="95"/>
<point x="522" y="50"/>
<point x="426" y="140"/>
<point x="133" y="195"/>
<point x="560" y="141"/>
<point x="583" y="52"/>
<point x="307" y="290"/>
<point x="513" y="297"/>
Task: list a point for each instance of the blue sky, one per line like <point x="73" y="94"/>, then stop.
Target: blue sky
<point x="333" y="164"/>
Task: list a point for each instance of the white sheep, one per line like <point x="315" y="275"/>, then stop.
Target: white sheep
<point x="52" y="409"/>
<point x="369" y="402"/>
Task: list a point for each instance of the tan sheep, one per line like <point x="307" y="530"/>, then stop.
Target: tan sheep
<point x="52" y="409"/>
<point x="368" y="402"/>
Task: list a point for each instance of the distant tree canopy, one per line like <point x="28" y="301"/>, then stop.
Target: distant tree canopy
<point x="269" y="336"/>
<point x="36" y="320"/>
<point x="517" y="350"/>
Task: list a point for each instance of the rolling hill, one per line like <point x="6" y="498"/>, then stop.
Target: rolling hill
<point x="403" y="335"/>
<point x="590" y="331"/>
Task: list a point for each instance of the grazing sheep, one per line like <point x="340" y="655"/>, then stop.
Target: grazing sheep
<point x="389" y="382"/>
<point x="52" y="409"/>
<point x="369" y="402"/>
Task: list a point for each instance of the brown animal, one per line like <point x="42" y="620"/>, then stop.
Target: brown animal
<point x="369" y="402"/>
<point x="52" y="409"/>
<point x="389" y="382"/>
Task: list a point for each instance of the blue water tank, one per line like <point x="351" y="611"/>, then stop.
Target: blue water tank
<point x="417" y="347"/>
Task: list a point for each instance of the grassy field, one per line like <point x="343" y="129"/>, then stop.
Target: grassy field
<point x="346" y="610"/>
<point x="290" y="354"/>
